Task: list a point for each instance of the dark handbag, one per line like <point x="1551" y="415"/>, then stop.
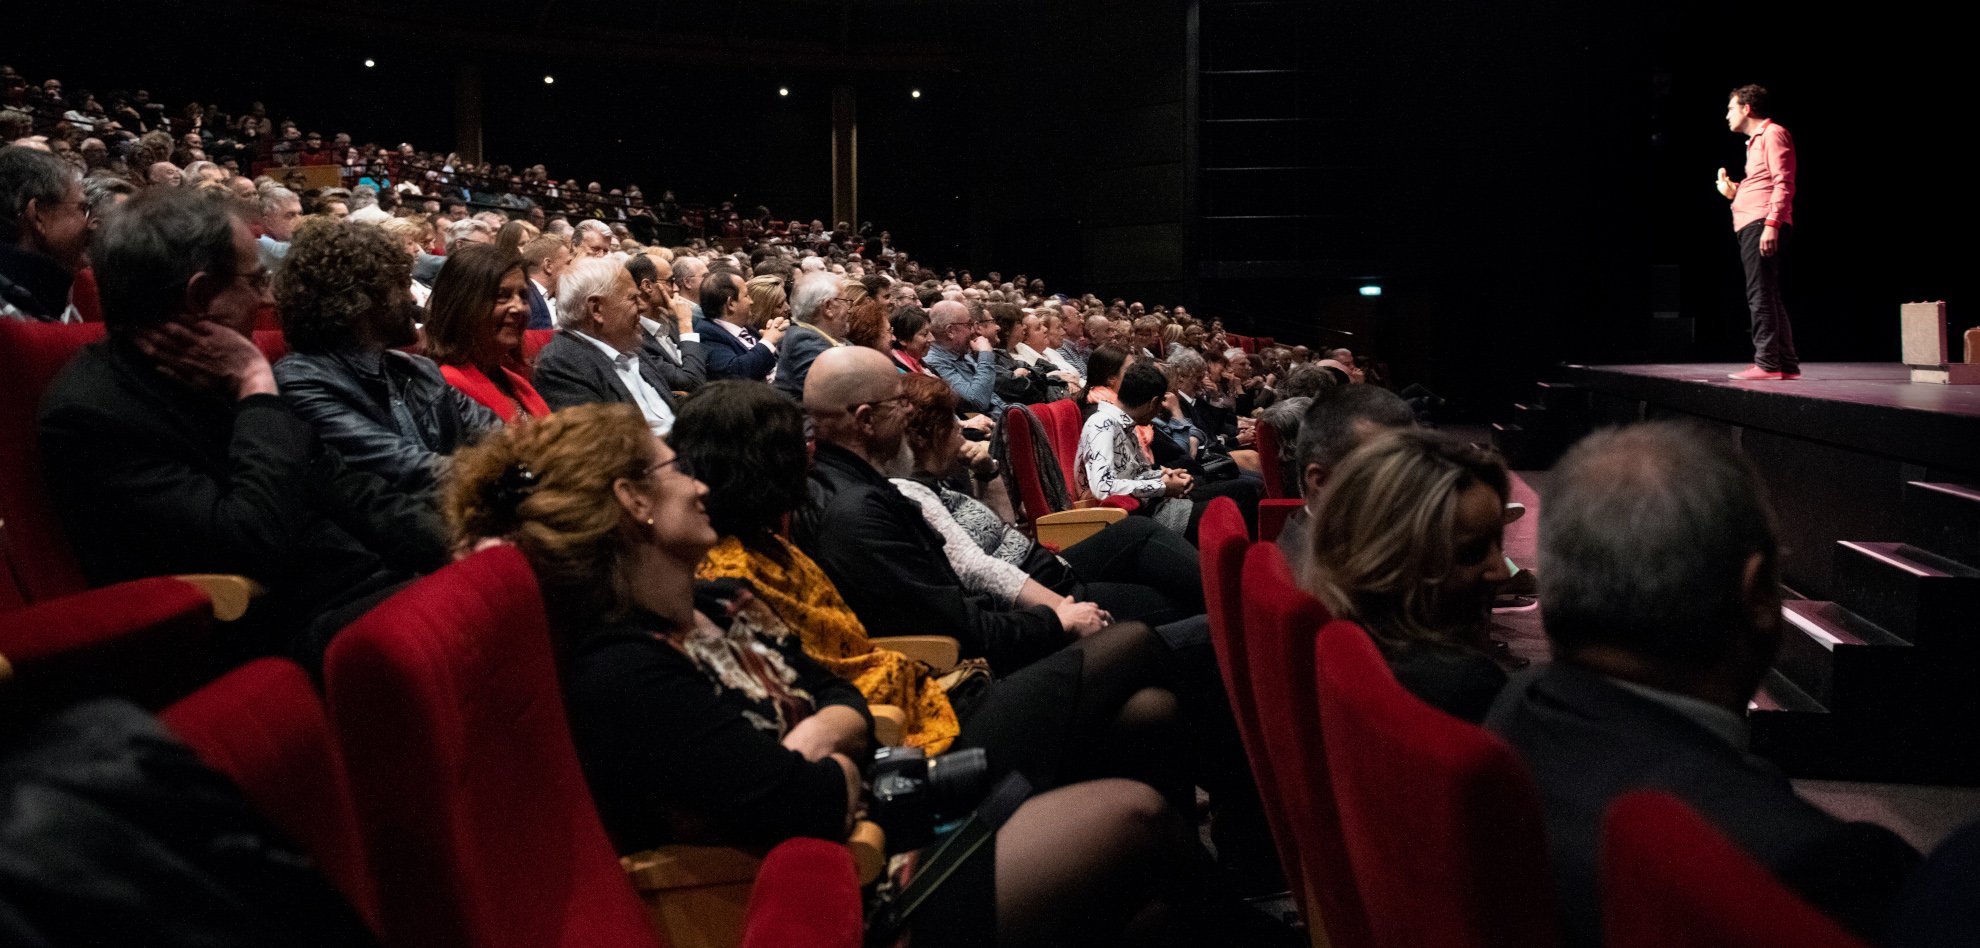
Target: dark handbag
<point x="1218" y="467"/>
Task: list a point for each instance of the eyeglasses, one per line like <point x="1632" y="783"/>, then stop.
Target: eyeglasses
<point x="258" y="280"/>
<point x="679" y="464"/>
<point x="902" y="397"/>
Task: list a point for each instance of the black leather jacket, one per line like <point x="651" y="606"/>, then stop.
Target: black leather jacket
<point x="388" y="413"/>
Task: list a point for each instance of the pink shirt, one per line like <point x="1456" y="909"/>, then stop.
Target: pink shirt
<point x="1767" y="191"/>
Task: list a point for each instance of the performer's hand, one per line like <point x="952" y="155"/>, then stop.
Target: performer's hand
<point x="1726" y="186"/>
<point x="1770" y="240"/>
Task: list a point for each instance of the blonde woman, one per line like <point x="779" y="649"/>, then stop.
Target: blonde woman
<point x="1407" y="542"/>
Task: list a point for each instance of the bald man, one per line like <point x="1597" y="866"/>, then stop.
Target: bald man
<point x="962" y="358"/>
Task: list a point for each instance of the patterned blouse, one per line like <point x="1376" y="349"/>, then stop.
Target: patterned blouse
<point x="1113" y="462"/>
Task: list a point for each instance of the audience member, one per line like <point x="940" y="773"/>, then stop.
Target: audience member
<point x="746" y="326"/>
<point x="867" y="325"/>
<point x="594" y="356"/>
<point x="44" y="235"/>
<point x="1663" y="606"/>
<point x="474" y="330"/>
<point x="1406" y="542"/>
<point x="668" y="340"/>
<point x="1336" y="422"/>
<point x="1018" y="382"/>
<point x="345" y="311"/>
<point x="818" y="309"/>
<point x="1113" y="461"/>
<point x="168" y="450"/>
<point x="963" y="358"/>
<point x="544" y="260"/>
<point x="913" y="335"/>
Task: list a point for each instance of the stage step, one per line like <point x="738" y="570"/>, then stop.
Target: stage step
<point x="1915" y="594"/>
<point x="1842" y="660"/>
<point x="1510" y="441"/>
<point x="1944" y="518"/>
<point x="1563" y="398"/>
<point x="1808" y="740"/>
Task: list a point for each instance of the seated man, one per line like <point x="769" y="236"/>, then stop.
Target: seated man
<point x="1664" y="610"/>
<point x="668" y="337"/>
<point x="168" y="450"/>
<point x="345" y="311"/>
<point x="1113" y="463"/>
<point x="594" y="357"/>
<point x="1336" y="422"/>
<point x="876" y="546"/>
<point x="819" y="308"/>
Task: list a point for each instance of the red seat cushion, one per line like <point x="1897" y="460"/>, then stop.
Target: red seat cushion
<point x="263" y="726"/>
<point x="31" y="356"/>
<point x="477" y="819"/>
<point x="1429" y="804"/>
<point x="145" y="640"/>
<point x="805" y="894"/>
<point x="1671" y="880"/>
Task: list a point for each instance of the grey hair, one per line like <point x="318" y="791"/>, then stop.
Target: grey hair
<point x="1644" y="541"/>
<point x="593" y="224"/>
<point x="1187" y="365"/>
<point x="465" y="226"/>
<point x="363" y="196"/>
<point x="147" y="252"/>
<point x="1286" y="417"/>
<point x="30" y="174"/>
<point x="275" y="196"/>
<point x="582" y="280"/>
<point x="813" y="291"/>
<point x="1331" y="428"/>
<point x="99" y="189"/>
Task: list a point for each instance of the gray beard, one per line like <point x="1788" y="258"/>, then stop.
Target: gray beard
<point x="901" y="464"/>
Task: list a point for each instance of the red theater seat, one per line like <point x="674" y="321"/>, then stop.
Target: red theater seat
<point x="533" y="342"/>
<point x="263" y="726"/>
<point x="31" y="355"/>
<point x="1280" y="620"/>
<point x="1273" y="515"/>
<point x="805" y="894"/>
<point x="1222" y="541"/>
<point x="477" y="819"/>
<point x="144" y="640"/>
<point x="1670" y="880"/>
<point x="1441" y="819"/>
<point x="1271" y="464"/>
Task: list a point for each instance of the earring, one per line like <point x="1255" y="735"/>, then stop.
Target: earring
<point x="649" y="521"/>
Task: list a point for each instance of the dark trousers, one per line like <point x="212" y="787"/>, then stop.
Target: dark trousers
<point x="1773" y="338"/>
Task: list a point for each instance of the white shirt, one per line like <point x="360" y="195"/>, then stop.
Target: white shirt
<point x="667" y="344"/>
<point x="549" y="301"/>
<point x="748" y="341"/>
<point x="659" y="417"/>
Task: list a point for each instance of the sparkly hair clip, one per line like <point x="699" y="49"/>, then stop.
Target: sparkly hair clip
<point x="515" y="484"/>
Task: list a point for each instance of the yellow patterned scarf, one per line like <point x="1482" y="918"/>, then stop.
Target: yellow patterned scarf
<point x="803" y="596"/>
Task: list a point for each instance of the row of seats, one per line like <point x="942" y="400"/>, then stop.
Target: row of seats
<point x="1399" y="825"/>
<point x="435" y="784"/>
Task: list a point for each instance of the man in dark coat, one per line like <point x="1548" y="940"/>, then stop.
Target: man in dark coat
<point x="168" y="450"/>
<point x="594" y="357"/>
<point x="1664" y="608"/>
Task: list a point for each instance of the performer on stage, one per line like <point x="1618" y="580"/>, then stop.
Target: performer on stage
<point x="1763" y="214"/>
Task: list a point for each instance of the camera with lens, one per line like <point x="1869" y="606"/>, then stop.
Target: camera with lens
<point x="909" y="794"/>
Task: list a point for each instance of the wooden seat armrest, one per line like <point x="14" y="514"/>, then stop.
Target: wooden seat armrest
<point x="889" y="724"/>
<point x="1067" y="527"/>
<point x="230" y="594"/>
<point x="940" y="652"/>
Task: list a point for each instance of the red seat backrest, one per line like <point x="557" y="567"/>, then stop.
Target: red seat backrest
<point x="1274" y="513"/>
<point x="1280" y="620"/>
<point x="263" y="726"/>
<point x="1223" y="540"/>
<point x="1062" y="426"/>
<point x="145" y="640"/>
<point x="31" y="356"/>
<point x="272" y="343"/>
<point x="477" y="819"/>
<point x="1024" y="467"/>
<point x="1671" y="880"/>
<point x="1271" y="460"/>
<point x="533" y="342"/>
<point x="1430" y="804"/>
<point x="805" y="894"/>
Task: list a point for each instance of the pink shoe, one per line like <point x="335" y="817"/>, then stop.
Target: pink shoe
<point x="1754" y="373"/>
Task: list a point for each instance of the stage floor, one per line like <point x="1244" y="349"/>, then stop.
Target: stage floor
<point x="1879" y="384"/>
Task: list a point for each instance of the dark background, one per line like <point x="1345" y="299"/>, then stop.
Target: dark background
<point x="1528" y="183"/>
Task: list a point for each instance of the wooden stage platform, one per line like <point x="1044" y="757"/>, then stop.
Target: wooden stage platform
<point x="1875" y="481"/>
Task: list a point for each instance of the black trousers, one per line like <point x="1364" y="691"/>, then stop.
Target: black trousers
<point x="1773" y="337"/>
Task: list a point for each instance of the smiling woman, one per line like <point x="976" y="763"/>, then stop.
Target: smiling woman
<point x="344" y="305"/>
<point x="474" y="327"/>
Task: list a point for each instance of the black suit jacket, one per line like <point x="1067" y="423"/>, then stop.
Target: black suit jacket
<point x="572" y="371"/>
<point x="685" y="375"/>
<point x="878" y="549"/>
<point x="728" y="359"/>
<point x="151" y="478"/>
<point x="1589" y="741"/>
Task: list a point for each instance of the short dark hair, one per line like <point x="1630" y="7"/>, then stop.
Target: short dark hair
<point x="1103" y="363"/>
<point x="29" y="174"/>
<point x="1644" y="541"/>
<point x="908" y="320"/>
<point x="717" y="292"/>
<point x="1328" y="431"/>
<point x="1754" y="97"/>
<point x="744" y="440"/>
<point x="642" y="268"/>
<point x="155" y="243"/>
<point x="1141" y="384"/>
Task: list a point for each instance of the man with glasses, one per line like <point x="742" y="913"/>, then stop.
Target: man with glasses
<point x="963" y="357"/>
<point x="820" y="307"/>
<point x="168" y="450"/>
<point x="44" y="232"/>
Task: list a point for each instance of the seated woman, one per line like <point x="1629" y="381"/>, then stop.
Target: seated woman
<point x="1030" y="341"/>
<point x="1407" y="543"/>
<point x="1103" y="378"/>
<point x="1134" y="568"/>
<point x="345" y="310"/>
<point x="474" y="329"/>
<point x="867" y="325"/>
<point x="698" y="718"/>
<point x="912" y="337"/>
<point x="1055" y="350"/>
